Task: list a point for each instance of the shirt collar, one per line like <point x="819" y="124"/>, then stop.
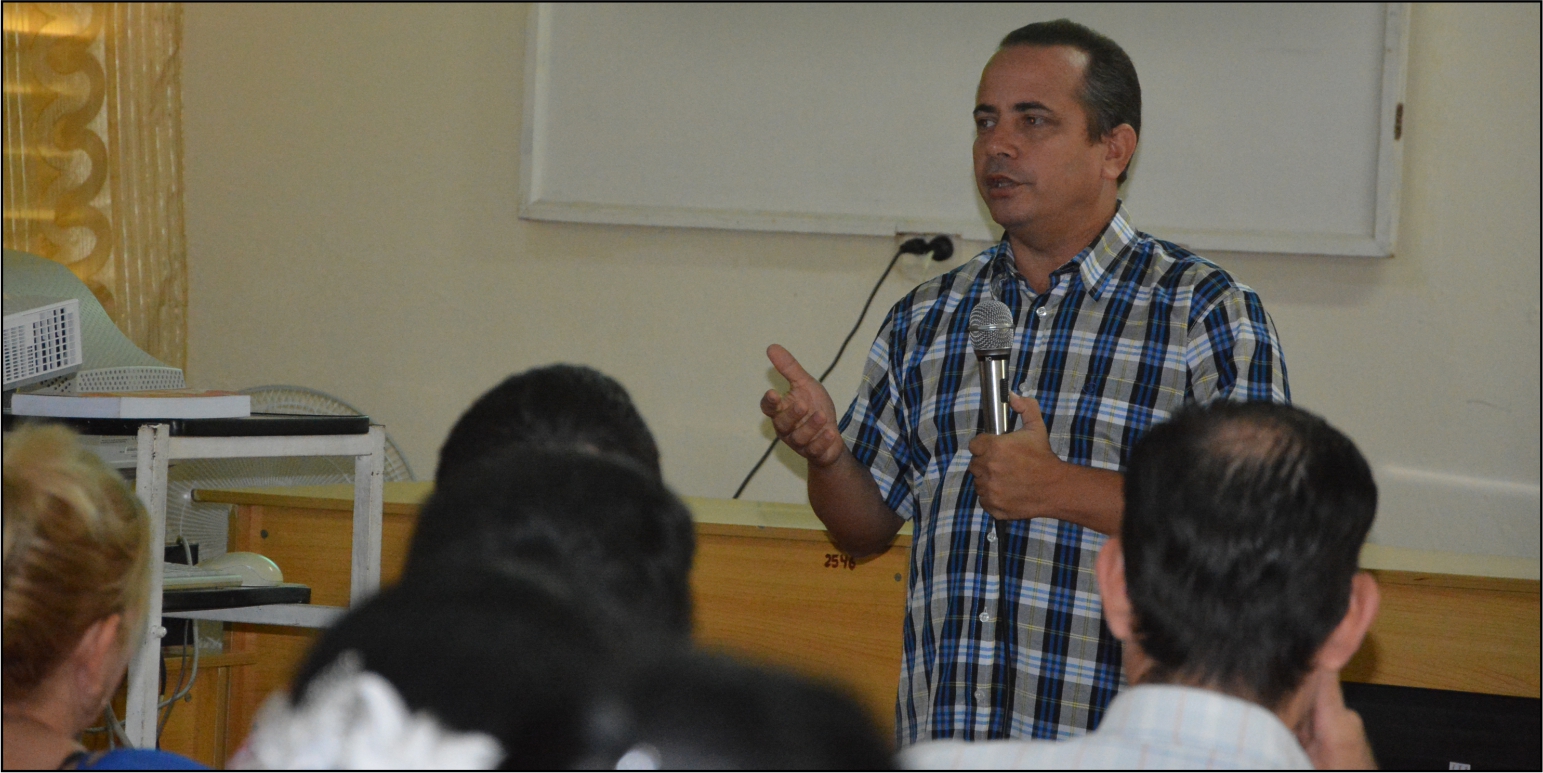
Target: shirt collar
<point x="1096" y="263"/>
<point x="1167" y="713"/>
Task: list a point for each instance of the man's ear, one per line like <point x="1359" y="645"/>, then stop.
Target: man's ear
<point x="1119" y="148"/>
<point x="1345" y="639"/>
<point x="1110" y="570"/>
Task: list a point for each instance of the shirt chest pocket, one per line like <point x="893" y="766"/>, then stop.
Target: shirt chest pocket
<point x="1130" y="392"/>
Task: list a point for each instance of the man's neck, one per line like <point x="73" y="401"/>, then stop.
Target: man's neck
<point x="1038" y="252"/>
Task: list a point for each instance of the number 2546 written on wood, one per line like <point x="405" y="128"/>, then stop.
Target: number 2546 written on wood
<point x="839" y="561"/>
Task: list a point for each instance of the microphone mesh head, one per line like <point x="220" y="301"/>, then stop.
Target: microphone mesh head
<point x="991" y="326"/>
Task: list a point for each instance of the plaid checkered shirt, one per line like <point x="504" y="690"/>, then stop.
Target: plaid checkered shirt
<point x="1012" y="644"/>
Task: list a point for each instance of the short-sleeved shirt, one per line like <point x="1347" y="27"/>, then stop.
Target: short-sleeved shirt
<point x="1008" y="641"/>
<point x="1148" y="727"/>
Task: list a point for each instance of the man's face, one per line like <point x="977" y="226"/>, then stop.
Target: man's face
<point x="1034" y="165"/>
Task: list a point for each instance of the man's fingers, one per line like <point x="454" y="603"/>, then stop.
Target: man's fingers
<point x="804" y="431"/>
<point x="771" y="402"/>
<point x="816" y="440"/>
<point x="1033" y="425"/>
<point x="791" y="413"/>
<point x="1028" y="408"/>
<point x="800" y="416"/>
<point x="783" y="361"/>
<point x="980" y="446"/>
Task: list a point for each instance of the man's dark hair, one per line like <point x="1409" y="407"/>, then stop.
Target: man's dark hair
<point x="692" y="711"/>
<point x="1111" y="93"/>
<point x="597" y="522"/>
<point x="517" y="658"/>
<point x="564" y="406"/>
<point x="1243" y="528"/>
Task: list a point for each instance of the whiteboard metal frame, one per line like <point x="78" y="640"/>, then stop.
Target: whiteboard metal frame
<point x="1380" y="243"/>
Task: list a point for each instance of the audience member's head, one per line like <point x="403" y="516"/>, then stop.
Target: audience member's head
<point x="513" y="672"/>
<point x="77" y="554"/>
<point x="421" y="672"/>
<point x="601" y="523"/>
<point x="690" y="711"/>
<point x="559" y="406"/>
<point x="1236" y="567"/>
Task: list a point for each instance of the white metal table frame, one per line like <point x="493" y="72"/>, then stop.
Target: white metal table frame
<point x="157" y="448"/>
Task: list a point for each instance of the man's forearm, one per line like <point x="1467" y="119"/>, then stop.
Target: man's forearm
<point x="846" y="498"/>
<point x="1090" y="497"/>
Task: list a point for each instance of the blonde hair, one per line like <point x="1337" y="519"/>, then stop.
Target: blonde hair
<point x="77" y="549"/>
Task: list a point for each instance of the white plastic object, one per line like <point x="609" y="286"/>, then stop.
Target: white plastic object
<point x="255" y="569"/>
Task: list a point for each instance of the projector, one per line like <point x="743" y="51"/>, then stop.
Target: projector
<point x="42" y="339"/>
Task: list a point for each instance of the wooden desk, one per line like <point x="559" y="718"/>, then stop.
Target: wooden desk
<point x="199" y="727"/>
<point x="769" y="585"/>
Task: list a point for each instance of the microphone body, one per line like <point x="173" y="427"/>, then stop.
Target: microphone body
<point x="991" y="335"/>
<point x="993" y="392"/>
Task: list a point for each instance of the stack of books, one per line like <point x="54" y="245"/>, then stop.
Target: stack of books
<point x="168" y="404"/>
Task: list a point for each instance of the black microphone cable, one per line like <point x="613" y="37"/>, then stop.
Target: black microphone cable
<point x="941" y="247"/>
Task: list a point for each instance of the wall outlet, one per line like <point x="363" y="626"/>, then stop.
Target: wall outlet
<point x="919" y="268"/>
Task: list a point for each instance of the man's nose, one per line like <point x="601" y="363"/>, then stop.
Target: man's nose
<point x="999" y="143"/>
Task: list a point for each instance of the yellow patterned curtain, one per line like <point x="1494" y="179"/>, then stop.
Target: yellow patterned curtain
<point x="93" y="156"/>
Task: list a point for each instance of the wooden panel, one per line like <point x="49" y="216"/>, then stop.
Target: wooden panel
<point x="1449" y="632"/>
<point x="198" y="727"/>
<point x="767" y="593"/>
<point x="312" y="547"/>
<point x="279" y="652"/>
<point x="397" y="497"/>
<point x="803" y="605"/>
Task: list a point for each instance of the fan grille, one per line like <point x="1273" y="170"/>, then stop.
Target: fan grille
<point x="208" y="523"/>
<point x="301" y="401"/>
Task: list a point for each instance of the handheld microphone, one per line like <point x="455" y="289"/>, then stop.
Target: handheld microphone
<point x="991" y="335"/>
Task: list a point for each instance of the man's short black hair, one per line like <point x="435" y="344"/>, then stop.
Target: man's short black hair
<point x="598" y="522"/>
<point x="1111" y="93"/>
<point x="564" y="406"/>
<point x="517" y="658"/>
<point x="692" y="711"/>
<point x="1243" y="528"/>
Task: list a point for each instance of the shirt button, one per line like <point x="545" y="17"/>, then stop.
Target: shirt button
<point x="991" y="536"/>
<point x="985" y="617"/>
<point x="980" y="696"/>
<point x="1041" y="311"/>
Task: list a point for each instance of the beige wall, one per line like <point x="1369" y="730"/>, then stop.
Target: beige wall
<point x="352" y="187"/>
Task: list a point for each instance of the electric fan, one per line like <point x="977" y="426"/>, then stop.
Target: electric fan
<point x="208" y="524"/>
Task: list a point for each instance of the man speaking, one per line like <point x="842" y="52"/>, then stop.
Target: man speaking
<point x="1113" y="332"/>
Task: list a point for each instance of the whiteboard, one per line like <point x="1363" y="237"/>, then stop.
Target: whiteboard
<point x="1266" y="128"/>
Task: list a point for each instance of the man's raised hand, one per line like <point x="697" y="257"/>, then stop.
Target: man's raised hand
<point x="805" y="416"/>
<point x="1332" y="734"/>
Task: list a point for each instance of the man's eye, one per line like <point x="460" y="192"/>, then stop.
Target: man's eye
<point x="982" y="124"/>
